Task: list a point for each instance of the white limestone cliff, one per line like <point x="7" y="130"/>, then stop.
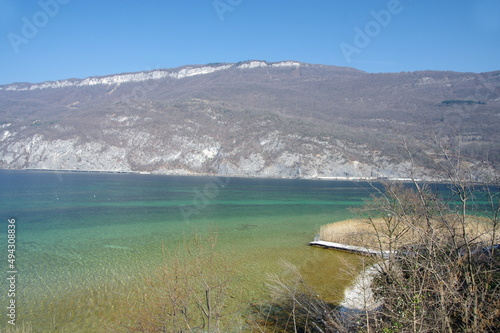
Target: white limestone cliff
<point x="144" y="76"/>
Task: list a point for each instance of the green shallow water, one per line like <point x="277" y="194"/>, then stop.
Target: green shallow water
<point x="84" y="240"/>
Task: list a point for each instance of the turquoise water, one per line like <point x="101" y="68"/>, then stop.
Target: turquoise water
<point x="82" y="238"/>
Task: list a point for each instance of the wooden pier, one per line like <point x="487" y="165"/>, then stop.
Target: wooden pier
<point x="382" y="254"/>
<point x="351" y="248"/>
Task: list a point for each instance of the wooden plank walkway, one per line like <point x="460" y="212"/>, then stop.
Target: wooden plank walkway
<point x="350" y="248"/>
<point x="382" y="254"/>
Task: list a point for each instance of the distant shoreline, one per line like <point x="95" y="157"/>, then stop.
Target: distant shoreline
<point x="330" y="178"/>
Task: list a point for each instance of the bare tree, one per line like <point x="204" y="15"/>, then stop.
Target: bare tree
<point x="446" y="279"/>
<point x="295" y="307"/>
<point x="192" y="291"/>
<point x="443" y="271"/>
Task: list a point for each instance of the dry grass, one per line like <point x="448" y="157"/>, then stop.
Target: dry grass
<point x="194" y="290"/>
<point x="355" y="232"/>
<point x="363" y="232"/>
<point x="18" y="328"/>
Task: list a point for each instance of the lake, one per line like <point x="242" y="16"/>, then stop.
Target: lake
<point x="83" y="240"/>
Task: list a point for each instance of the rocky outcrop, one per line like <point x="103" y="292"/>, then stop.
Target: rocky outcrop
<point x="184" y="72"/>
<point x="141" y="151"/>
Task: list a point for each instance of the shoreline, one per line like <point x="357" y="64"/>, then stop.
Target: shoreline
<point x="351" y="248"/>
<point x="322" y="178"/>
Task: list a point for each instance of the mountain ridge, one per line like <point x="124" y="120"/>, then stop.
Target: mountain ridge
<point x="252" y="118"/>
<point x="177" y="73"/>
<point x="175" y="70"/>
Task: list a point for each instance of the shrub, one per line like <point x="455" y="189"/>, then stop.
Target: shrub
<point x="191" y="291"/>
<point x="443" y="274"/>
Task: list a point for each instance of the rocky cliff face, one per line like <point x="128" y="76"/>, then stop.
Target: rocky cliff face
<point x="254" y="118"/>
<point x="145" y="76"/>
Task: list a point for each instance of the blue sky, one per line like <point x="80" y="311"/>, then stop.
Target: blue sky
<point x="44" y="40"/>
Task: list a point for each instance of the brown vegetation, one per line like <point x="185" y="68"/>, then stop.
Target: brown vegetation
<point x="192" y="291"/>
<point x="443" y="273"/>
<point x="366" y="232"/>
<point x="18" y="328"/>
